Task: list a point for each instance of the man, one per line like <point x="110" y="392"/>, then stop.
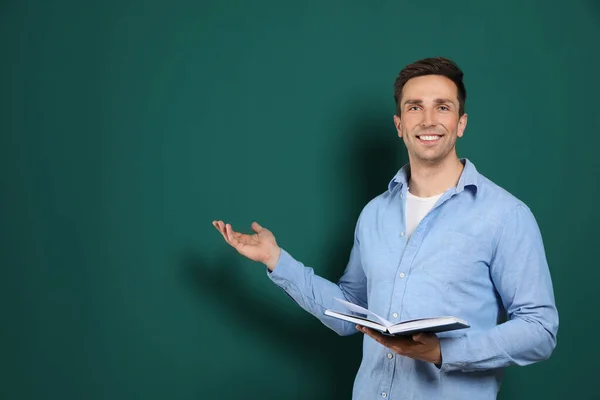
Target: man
<point x="441" y="240"/>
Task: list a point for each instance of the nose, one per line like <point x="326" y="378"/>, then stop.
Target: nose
<point x="428" y="118"/>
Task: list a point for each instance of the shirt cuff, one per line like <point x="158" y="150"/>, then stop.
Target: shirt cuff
<point x="453" y="353"/>
<point x="284" y="270"/>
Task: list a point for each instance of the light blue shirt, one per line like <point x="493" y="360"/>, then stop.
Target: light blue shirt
<point x="477" y="255"/>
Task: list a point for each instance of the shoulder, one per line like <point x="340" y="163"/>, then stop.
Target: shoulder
<point x="379" y="203"/>
<point x="375" y="211"/>
<point x="497" y="199"/>
<point x="492" y="191"/>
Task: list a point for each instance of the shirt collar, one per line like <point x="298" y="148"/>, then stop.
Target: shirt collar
<point x="468" y="177"/>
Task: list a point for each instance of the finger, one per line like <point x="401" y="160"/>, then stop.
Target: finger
<point x="228" y="236"/>
<point x="229" y="233"/>
<point x="220" y="227"/>
<point x="422" y="338"/>
<point x="256" y="227"/>
<point x="236" y="239"/>
<point x="378" y="337"/>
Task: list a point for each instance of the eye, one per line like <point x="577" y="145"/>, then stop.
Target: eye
<point x="444" y="108"/>
<point x="413" y="108"/>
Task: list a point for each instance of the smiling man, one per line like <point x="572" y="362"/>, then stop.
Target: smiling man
<point x="441" y="240"/>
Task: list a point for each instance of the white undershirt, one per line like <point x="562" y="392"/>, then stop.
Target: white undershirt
<point x="416" y="209"/>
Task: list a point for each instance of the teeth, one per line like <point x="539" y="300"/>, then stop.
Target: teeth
<point x="429" y="137"/>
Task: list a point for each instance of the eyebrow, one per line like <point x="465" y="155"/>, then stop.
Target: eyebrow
<point x="436" y="101"/>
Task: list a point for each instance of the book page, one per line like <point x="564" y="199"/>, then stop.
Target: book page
<point x="354" y="318"/>
<point x="360" y="310"/>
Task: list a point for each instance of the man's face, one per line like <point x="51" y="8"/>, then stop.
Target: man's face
<point x="429" y="123"/>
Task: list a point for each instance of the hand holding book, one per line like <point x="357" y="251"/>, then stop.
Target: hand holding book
<point x="421" y="346"/>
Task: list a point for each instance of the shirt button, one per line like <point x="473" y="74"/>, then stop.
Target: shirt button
<point x="384" y="394"/>
<point x="395" y="315"/>
<point x="401" y="274"/>
<point x="401" y="233"/>
<point x="401" y="195"/>
<point x="390" y="355"/>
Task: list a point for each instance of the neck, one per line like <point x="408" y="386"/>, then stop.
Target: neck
<point x="428" y="180"/>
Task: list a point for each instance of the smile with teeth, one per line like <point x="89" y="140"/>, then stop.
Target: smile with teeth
<point x="429" y="138"/>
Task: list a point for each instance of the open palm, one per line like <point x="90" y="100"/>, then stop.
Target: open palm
<point x="260" y="247"/>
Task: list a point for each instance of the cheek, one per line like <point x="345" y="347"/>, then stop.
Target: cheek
<point x="450" y="123"/>
<point x="407" y="127"/>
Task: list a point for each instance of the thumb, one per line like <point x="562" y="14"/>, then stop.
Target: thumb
<point x="256" y="227"/>
<point x="418" y="337"/>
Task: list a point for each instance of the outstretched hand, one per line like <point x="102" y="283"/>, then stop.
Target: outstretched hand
<point x="420" y="346"/>
<point x="260" y="247"/>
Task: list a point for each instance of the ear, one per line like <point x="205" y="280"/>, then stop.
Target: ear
<point x="462" y="125"/>
<point x="398" y="125"/>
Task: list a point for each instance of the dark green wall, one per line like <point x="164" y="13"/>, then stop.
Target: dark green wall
<point x="128" y="126"/>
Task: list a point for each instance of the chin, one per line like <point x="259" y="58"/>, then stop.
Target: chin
<point x="432" y="158"/>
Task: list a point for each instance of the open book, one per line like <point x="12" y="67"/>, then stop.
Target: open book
<point x="364" y="317"/>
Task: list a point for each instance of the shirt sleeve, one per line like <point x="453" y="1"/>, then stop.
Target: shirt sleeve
<point x="519" y="271"/>
<point x="316" y="294"/>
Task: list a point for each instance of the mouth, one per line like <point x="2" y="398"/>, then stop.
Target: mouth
<point x="429" y="139"/>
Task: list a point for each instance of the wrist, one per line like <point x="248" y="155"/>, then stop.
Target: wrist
<point x="272" y="259"/>
<point x="437" y="355"/>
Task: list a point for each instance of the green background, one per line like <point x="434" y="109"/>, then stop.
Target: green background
<point x="128" y="126"/>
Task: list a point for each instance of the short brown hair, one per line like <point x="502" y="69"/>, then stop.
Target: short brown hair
<point x="432" y="66"/>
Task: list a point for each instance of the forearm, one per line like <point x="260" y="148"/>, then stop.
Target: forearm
<point x="519" y="341"/>
<point x="314" y="293"/>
